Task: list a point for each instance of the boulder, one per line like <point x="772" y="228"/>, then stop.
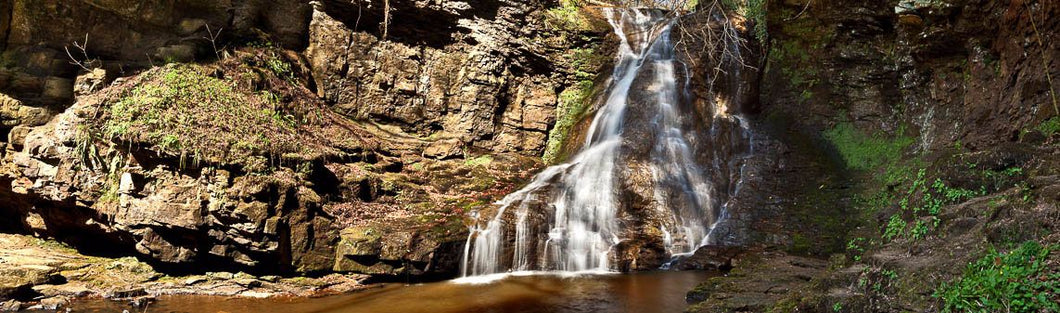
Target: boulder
<point x="20" y="278"/>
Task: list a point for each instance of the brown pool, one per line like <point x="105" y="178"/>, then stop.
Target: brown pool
<point x="641" y="292"/>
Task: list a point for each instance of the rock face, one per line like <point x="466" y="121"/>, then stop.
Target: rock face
<point x="402" y="113"/>
<point x="948" y="92"/>
<point x="125" y="35"/>
<point x="485" y="82"/>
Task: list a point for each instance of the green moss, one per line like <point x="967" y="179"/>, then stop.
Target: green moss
<point x="864" y="152"/>
<point x="181" y="110"/>
<point x="573" y="104"/>
<point x="54" y="245"/>
<point x="1017" y="281"/>
<point x="482" y="160"/>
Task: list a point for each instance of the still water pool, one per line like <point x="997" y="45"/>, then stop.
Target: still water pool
<point x="641" y="292"/>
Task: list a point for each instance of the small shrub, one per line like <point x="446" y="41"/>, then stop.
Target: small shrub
<point x="856" y="247"/>
<point x="279" y="67"/>
<point x="1017" y="281"/>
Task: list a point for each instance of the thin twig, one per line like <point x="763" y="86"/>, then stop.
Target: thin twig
<point x="1045" y="63"/>
<point x="807" y="6"/>
<point x="83" y="47"/>
<point x="213" y="40"/>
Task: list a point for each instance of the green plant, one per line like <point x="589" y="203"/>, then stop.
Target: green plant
<point x="838" y="306"/>
<point x="919" y="230"/>
<point x="1049" y="126"/>
<point x="932" y="198"/>
<point x="895" y="227"/>
<point x="856" y="248"/>
<point x="890" y="274"/>
<point x="754" y="10"/>
<point x="1017" y="281"/>
<point x="691" y="5"/>
<point x="279" y="67"/>
<point x="85" y="147"/>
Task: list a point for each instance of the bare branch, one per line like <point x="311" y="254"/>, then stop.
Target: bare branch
<point x="386" y="17"/>
<point x="86" y="63"/>
<point x="721" y="41"/>
<point x="213" y="40"/>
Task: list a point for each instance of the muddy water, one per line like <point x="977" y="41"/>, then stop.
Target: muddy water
<point x="644" y="292"/>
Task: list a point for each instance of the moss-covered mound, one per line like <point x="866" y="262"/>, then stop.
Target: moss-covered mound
<point x="248" y="110"/>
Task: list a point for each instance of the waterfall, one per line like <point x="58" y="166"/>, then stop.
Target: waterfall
<point x="584" y="195"/>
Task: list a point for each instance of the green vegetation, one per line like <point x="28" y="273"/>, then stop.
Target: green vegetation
<point x="482" y="160"/>
<point x="85" y="147"/>
<point x="585" y="62"/>
<point x="180" y="110"/>
<point x="690" y="5"/>
<point x="573" y="104"/>
<point x="871" y="152"/>
<point x="923" y="203"/>
<point x="1049" y="126"/>
<point x="567" y="16"/>
<point x="795" y="64"/>
<point x="1017" y="281"/>
<point x="279" y="67"/>
<point x="856" y="247"/>
<point x="754" y="10"/>
<point x="574" y="101"/>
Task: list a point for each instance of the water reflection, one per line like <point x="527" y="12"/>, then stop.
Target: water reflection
<point x="643" y="292"/>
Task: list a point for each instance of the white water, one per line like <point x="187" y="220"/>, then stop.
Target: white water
<point x="583" y="193"/>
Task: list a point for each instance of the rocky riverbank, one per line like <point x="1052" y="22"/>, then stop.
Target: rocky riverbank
<point x="46" y="275"/>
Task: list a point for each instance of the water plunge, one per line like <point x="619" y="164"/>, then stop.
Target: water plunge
<point x="568" y="218"/>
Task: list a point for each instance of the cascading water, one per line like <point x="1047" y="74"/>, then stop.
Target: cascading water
<point x="584" y="195"/>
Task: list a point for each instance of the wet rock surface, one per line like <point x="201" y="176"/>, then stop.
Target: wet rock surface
<point x="46" y="275"/>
